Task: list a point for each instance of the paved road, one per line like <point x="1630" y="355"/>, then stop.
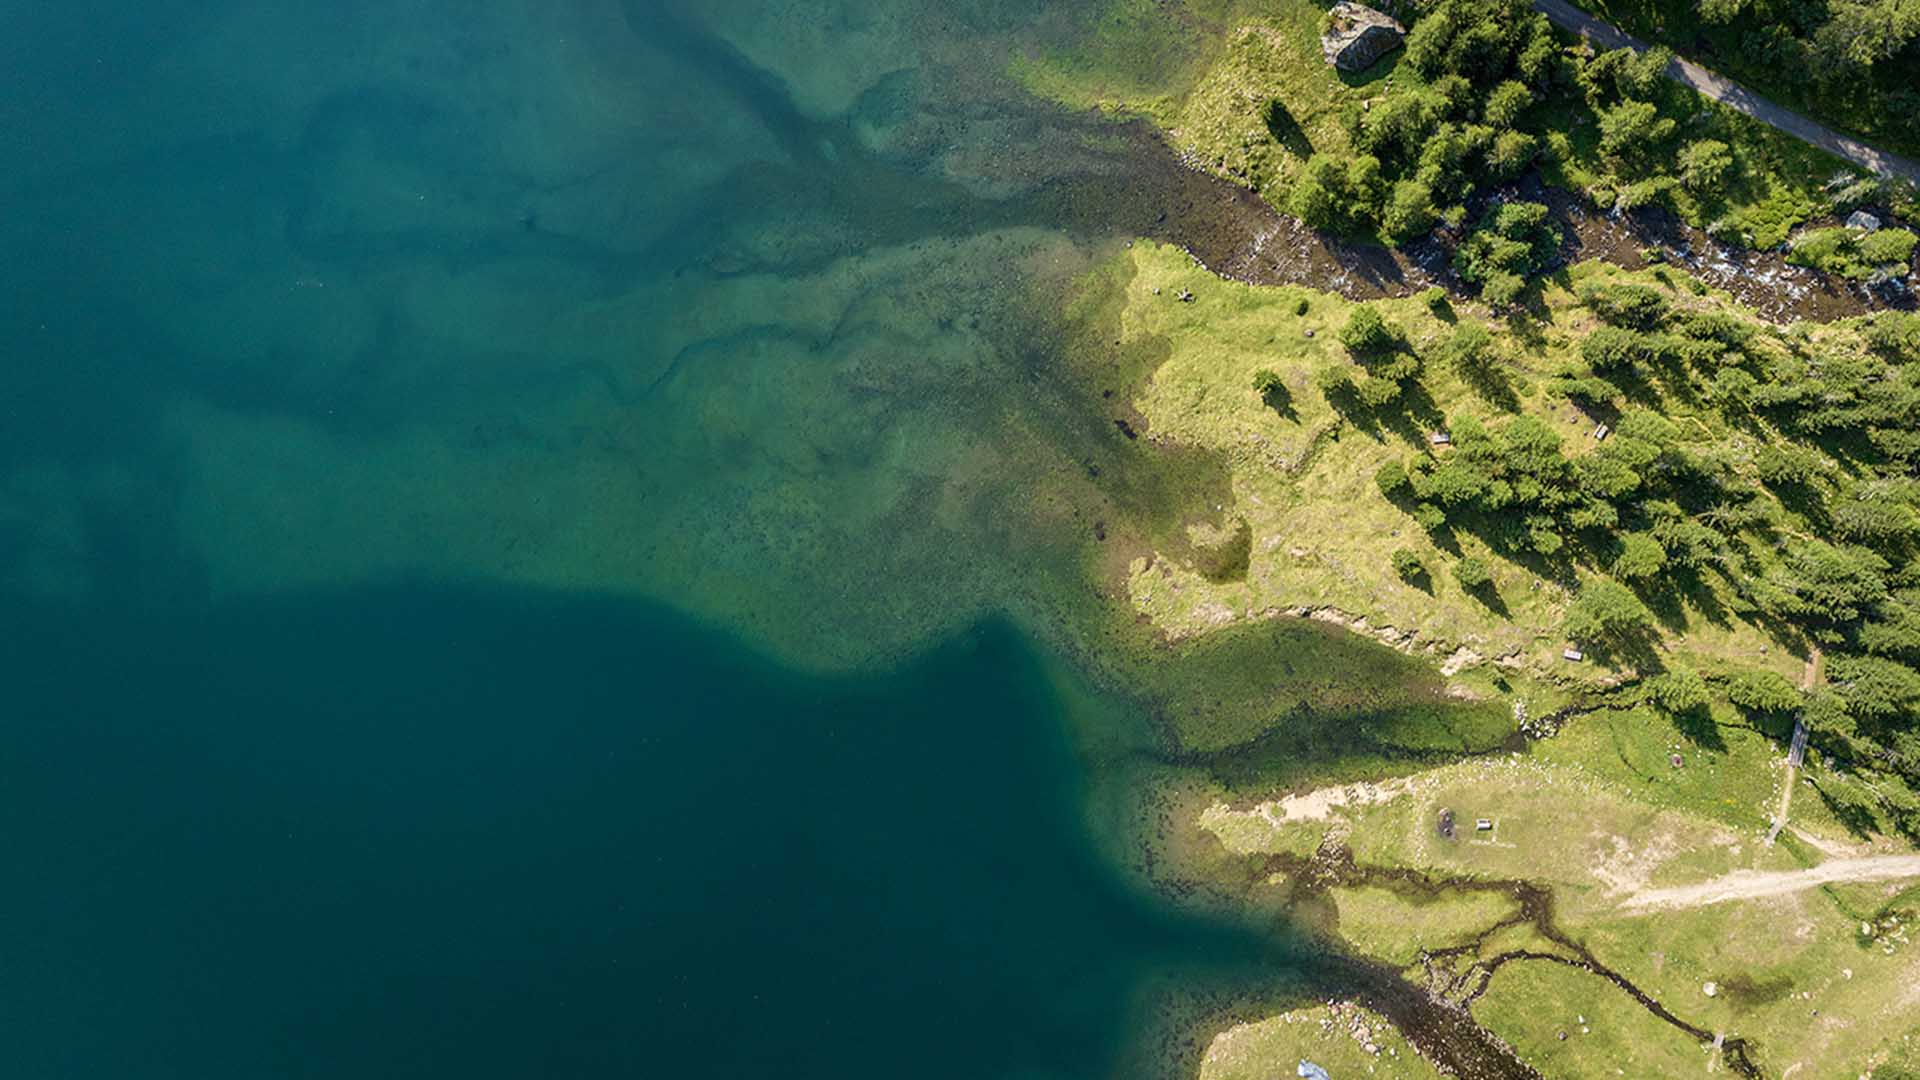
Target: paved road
<point x="1735" y="96"/>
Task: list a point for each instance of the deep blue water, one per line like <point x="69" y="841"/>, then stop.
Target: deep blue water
<point x="429" y="833"/>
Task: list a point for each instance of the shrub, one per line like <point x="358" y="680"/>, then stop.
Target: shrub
<point x="1679" y="690"/>
<point x="1606" y="611"/>
<point x="1506" y="103"/>
<point x="1610" y="347"/>
<point x="1408" y="566"/>
<point x="1641" y="307"/>
<point x="1514" y="240"/>
<point x="1392" y="479"/>
<point x="1378" y="392"/>
<point x="1704" y="164"/>
<point x="1319" y="196"/>
<point x="1762" y="691"/>
<point x="1267" y="382"/>
<point x="1887" y="247"/>
<point x="1503" y="290"/>
<point x="1472" y="574"/>
<point x="1632" y="129"/>
<point x="1366" y="333"/>
<point x="1852" y="254"/>
<point x="1469" y="350"/>
<point x="1409" y="211"/>
<point x="1300" y="307"/>
<point x="1511" y="153"/>
<point x="1429" y="516"/>
<point x="1435" y="298"/>
<point x="1333" y="382"/>
<point x="1640" y="558"/>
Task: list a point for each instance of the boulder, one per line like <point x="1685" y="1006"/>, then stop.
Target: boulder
<point x="1358" y="36"/>
<point x="1863" y="221"/>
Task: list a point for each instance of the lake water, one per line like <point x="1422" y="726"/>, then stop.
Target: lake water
<point x="428" y="832"/>
<point x="502" y="507"/>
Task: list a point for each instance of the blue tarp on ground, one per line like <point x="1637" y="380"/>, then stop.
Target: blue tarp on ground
<point x="1313" y="1072"/>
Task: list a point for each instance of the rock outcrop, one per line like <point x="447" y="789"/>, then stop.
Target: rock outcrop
<point x="1358" y="36"/>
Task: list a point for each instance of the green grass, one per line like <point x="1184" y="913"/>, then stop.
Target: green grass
<point x="1531" y="1003"/>
<point x="1387" y="926"/>
<point x="1265" y="1048"/>
<point x="1301" y="476"/>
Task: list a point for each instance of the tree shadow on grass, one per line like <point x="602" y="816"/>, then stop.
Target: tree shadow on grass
<point x="1491" y="599"/>
<point x="1286" y="130"/>
<point x="1697" y="726"/>
<point x="1280" y="400"/>
<point x="1858" y="819"/>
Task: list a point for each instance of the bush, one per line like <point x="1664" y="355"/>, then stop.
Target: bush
<point x="1887" y="247"/>
<point x="1679" y="690"/>
<point x="1469" y="350"/>
<point x="1267" y="382"/>
<point x="1511" y="153"/>
<point x="1632" y="129"/>
<point x="1333" y="382"/>
<point x="1408" y="566"/>
<point x="1606" y="611"/>
<point x="1366" y="333"/>
<point x="1514" y="240"/>
<point x="1704" y="165"/>
<point x="1392" y="480"/>
<point x="1503" y="290"/>
<point x="1429" y="516"/>
<point x="1378" y="392"/>
<point x="1610" y="347"/>
<point x="1472" y="574"/>
<point x="1641" y="307"/>
<point x="1506" y="103"/>
<point x="1409" y="211"/>
<point x="1851" y="254"/>
<point x="1641" y="557"/>
<point x="1762" y="691"/>
<point x="1435" y="298"/>
<point x="1321" y="197"/>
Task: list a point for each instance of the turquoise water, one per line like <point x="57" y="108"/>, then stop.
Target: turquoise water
<point x="503" y="508"/>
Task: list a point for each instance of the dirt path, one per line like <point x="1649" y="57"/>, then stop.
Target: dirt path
<point x="1809" y="679"/>
<point x="1735" y="96"/>
<point x="1754" y="884"/>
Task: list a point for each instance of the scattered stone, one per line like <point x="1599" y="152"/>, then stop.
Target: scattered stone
<point x="1863" y="221"/>
<point x="1710" y="989"/>
<point x="1309" y="331"/>
<point x="1358" y="36"/>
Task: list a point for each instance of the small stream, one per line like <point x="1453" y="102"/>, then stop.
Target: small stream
<point x="1437" y="1017"/>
